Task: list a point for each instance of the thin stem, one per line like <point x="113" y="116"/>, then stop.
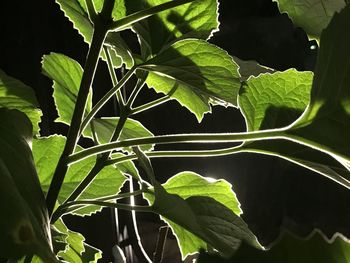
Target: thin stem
<point x="135" y="92"/>
<point x="106" y="97"/>
<point x="180" y="138"/>
<point x="133" y="18"/>
<point x="91" y="11"/>
<point x="73" y="133"/>
<point x="113" y="75"/>
<point x="160" y="246"/>
<point x="150" y="105"/>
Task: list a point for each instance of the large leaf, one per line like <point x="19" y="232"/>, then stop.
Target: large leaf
<point x="189" y="184"/>
<point x="198" y="19"/>
<point x="312" y="15"/>
<point x="24" y="222"/>
<point x="16" y="95"/>
<point x="76" y="250"/>
<point x="66" y="74"/>
<point x="276" y="100"/>
<point x="196" y="73"/>
<point x="291" y="249"/>
<point x="46" y="154"/>
<point x="325" y="124"/>
<point x="76" y="12"/>
<point x="105" y="127"/>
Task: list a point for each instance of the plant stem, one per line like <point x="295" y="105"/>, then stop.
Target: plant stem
<point x="106" y="97"/>
<point x="150" y="105"/>
<point x="73" y="133"/>
<point x="180" y="138"/>
<point x="133" y="18"/>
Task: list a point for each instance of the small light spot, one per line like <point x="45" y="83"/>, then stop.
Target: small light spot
<point x="313" y="47"/>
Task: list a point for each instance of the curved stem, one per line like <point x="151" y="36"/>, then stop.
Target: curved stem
<point x="73" y="133"/>
<point x="180" y="138"/>
<point x="106" y="97"/>
<point x="135" y="92"/>
<point x="150" y="105"/>
<point x="113" y="75"/>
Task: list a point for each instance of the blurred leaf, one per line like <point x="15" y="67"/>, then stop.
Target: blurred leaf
<point x="291" y="249"/>
<point x="47" y="151"/>
<point x="312" y="15"/>
<point x="196" y="73"/>
<point x="16" y="95"/>
<point x="24" y="222"/>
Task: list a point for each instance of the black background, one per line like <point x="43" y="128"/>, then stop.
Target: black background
<point x="274" y="194"/>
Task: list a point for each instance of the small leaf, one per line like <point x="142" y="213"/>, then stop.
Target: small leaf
<point x="16" y="95"/>
<point x="66" y="74"/>
<point x="312" y="15"/>
<point x="47" y="151"/>
<point x="201" y="74"/>
<point x="105" y="127"/>
<point x="24" y="224"/>
<point x="291" y="249"/>
<point x="77" y="250"/>
<point x="78" y="16"/>
<point x="202" y="213"/>
<point x="198" y="19"/>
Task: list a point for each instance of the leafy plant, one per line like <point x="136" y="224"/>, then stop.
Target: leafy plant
<point x="284" y="112"/>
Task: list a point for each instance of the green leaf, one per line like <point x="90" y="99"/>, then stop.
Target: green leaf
<point x="47" y="151"/>
<point x="76" y="249"/>
<point x="249" y="68"/>
<point x="76" y="13"/>
<point x="105" y="127"/>
<point x="198" y="19"/>
<point x="202" y="213"/>
<point x="276" y="100"/>
<point x="329" y="107"/>
<point x="119" y="10"/>
<point x="66" y="74"/>
<point x="201" y="74"/>
<point x="16" y="95"/>
<point x="190" y="184"/>
<point x="291" y="249"/>
<point x="24" y="224"/>
<point x="312" y="15"/>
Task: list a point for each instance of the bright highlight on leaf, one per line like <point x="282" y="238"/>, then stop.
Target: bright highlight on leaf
<point x="197" y="74"/>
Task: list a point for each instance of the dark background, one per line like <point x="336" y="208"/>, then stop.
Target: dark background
<point x="274" y="193"/>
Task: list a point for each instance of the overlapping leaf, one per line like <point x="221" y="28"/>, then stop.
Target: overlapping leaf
<point x="76" y="12"/>
<point x="189" y="184"/>
<point x="291" y="249"/>
<point x="46" y="154"/>
<point x="16" y="95"/>
<point x="105" y="127"/>
<point x="66" y="74"/>
<point x="312" y="15"/>
<point x="276" y="100"/>
<point x="196" y="73"/>
<point x="198" y="19"/>
<point x="24" y="223"/>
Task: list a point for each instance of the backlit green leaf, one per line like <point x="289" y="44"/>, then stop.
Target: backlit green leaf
<point x="24" y="222"/>
<point x="16" y="95"/>
<point x="312" y="15"/>
<point x="66" y="74"/>
<point x="46" y="154"/>
<point x="291" y="249"/>
<point x="200" y="73"/>
<point x="198" y="19"/>
<point x="105" y="127"/>
<point x="75" y="11"/>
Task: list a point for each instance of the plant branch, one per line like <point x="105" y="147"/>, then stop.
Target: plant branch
<point x="106" y="97"/>
<point x="73" y="133"/>
<point x="150" y="105"/>
<point x="140" y="15"/>
<point x="180" y="138"/>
